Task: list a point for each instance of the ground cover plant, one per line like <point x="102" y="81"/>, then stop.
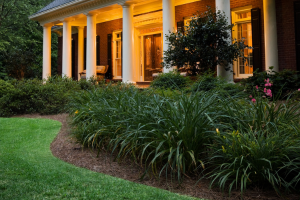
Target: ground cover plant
<point x="234" y="141"/>
<point x="257" y="144"/>
<point x="28" y="170"/>
<point x="166" y="132"/>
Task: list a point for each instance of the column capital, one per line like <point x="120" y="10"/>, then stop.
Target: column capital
<point x="69" y="19"/>
<point x="48" y="25"/>
<point x="80" y="27"/>
<point x="91" y="14"/>
<point x="127" y="5"/>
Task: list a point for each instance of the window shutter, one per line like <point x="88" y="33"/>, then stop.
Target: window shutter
<point x="84" y="53"/>
<point x="256" y="39"/>
<point x="297" y="32"/>
<point x="122" y="52"/>
<point x="98" y="50"/>
<point x="108" y="75"/>
<point x="59" y="60"/>
<point x="180" y="27"/>
<point x="73" y="59"/>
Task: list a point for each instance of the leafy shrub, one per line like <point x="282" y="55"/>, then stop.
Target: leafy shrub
<point x="5" y="87"/>
<point x="208" y="81"/>
<point x="172" y="80"/>
<point x="34" y="96"/>
<point x="205" y="39"/>
<point x="283" y="82"/>
<point x="86" y="85"/>
<point x="257" y="144"/>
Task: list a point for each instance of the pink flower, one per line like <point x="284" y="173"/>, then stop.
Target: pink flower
<point x="268" y="80"/>
<point x="269" y="93"/>
<point x="299" y="89"/>
<point x="268" y="84"/>
<point x="250" y="96"/>
<point x="257" y="87"/>
<point x="265" y="90"/>
<point x="253" y="100"/>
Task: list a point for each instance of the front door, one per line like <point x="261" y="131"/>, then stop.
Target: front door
<point x="152" y="56"/>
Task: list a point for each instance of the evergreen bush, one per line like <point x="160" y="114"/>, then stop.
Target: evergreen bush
<point x="172" y="80"/>
<point x="35" y="96"/>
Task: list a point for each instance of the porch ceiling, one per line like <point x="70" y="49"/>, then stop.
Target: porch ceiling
<point x="107" y="10"/>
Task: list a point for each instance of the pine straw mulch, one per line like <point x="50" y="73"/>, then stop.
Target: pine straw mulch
<point x="65" y="148"/>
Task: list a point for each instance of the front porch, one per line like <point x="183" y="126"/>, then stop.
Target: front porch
<point x="128" y="37"/>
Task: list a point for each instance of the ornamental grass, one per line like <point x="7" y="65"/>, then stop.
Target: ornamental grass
<point x="233" y="141"/>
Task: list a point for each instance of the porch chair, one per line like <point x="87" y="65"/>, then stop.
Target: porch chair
<point x="100" y="70"/>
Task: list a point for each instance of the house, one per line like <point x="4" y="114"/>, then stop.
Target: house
<point x="128" y="36"/>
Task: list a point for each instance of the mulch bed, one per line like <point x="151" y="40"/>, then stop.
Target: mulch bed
<point x="65" y="148"/>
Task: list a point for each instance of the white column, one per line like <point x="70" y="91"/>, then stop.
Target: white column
<point x="91" y="46"/>
<point x="47" y="52"/>
<point x="224" y="6"/>
<point x="168" y="24"/>
<point x="128" y="44"/>
<point x="67" y="47"/>
<point x="80" y="50"/>
<point x="270" y="26"/>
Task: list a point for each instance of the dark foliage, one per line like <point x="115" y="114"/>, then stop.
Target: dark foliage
<point x="34" y="96"/>
<point x="21" y="40"/>
<point x="204" y="40"/>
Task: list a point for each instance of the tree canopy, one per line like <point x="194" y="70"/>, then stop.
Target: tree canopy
<point x="21" y="39"/>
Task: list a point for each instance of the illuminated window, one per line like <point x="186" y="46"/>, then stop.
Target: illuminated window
<point x="242" y="31"/>
<point x="117" y="55"/>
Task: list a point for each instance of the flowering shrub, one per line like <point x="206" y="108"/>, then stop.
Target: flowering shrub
<point x="273" y="84"/>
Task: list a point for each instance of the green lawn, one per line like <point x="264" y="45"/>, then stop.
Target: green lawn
<point x="28" y="170"/>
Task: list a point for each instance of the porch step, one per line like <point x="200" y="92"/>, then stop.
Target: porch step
<point x="143" y="84"/>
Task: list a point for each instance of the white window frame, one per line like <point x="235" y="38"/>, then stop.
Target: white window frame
<point x="115" y="39"/>
<point x="235" y="20"/>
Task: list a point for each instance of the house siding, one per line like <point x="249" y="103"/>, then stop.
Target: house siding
<point x="286" y="34"/>
<point x="190" y="9"/>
